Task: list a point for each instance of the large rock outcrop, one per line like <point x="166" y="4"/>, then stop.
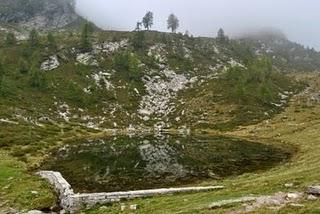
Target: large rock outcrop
<point x="39" y="14"/>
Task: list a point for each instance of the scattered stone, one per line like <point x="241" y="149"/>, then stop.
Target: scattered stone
<point x="288" y="185"/>
<point x="275" y="201"/>
<point x="231" y="201"/>
<point x="158" y="52"/>
<point x="63" y="212"/>
<point x="101" y="80"/>
<point x="297" y="205"/>
<point x="293" y="196"/>
<point x="313" y="190"/>
<point x="7" y="121"/>
<point x="50" y="64"/>
<point x="34" y="212"/>
<point x="110" y="47"/>
<point x="279" y="199"/>
<point x="122" y="207"/>
<point x="312" y="197"/>
<point x="134" y="207"/>
<point x="103" y="208"/>
<point x="86" y="59"/>
<point x="6" y="187"/>
<point x="34" y="192"/>
<point x="14" y="210"/>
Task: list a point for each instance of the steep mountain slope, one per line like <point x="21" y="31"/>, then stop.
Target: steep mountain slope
<point x="39" y="14"/>
<point x="168" y="81"/>
<point x="54" y="91"/>
<point x="288" y="56"/>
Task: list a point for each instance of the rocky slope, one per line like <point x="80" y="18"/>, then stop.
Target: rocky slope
<point x="174" y="81"/>
<point x="289" y="56"/>
<point x="39" y="14"/>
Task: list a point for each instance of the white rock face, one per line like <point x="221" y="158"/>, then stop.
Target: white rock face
<point x="111" y="47"/>
<point x="160" y="92"/>
<point x="101" y="80"/>
<point x="158" y="52"/>
<point x="233" y="63"/>
<point x="50" y="64"/>
<point x="86" y="59"/>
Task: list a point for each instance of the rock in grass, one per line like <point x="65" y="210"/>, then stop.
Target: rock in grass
<point x="297" y="205"/>
<point x="50" y="64"/>
<point x="34" y="212"/>
<point x="288" y="185"/>
<point x="134" y="207"/>
<point x="312" y="198"/>
<point x="231" y="201"/>
<point x="314" y="190"/>
<point x="122" y="207"/>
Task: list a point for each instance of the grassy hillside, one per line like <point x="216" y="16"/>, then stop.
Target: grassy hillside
<point x="119" y="80"/>
<point x="54" y="92"/>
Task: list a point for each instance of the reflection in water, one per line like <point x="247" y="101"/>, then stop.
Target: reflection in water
<point x="124" y="163"/>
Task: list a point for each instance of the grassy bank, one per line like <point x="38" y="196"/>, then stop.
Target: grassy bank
<point x="298" y="125"/>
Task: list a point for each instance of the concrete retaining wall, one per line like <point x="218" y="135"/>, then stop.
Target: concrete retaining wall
<point x="72" y="202"/>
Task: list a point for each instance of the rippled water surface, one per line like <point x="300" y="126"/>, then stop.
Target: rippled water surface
<point x="124" y="163"/>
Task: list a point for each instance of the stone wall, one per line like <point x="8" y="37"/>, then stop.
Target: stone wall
<point x="71" y="202"/>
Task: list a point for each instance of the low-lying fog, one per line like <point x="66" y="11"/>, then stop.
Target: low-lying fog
<point x="298" y="19"/>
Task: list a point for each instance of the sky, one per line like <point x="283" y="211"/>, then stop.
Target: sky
<point x="298" y="19"/>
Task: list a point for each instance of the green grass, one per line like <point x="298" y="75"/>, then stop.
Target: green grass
<point x="24" y="145"/>
<point x="22" y="190"/>
<point x="303" y="169"/>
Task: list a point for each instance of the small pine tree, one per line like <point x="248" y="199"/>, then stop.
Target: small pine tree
<point x="1" y="75"/>
<point x="37" y="79"/>
<point x="138" y="40"/>
<point x="87" y="30"/>
<point x="148" y="20"/>
<point x="138" y="26"/>
<point x="128" y="64"/>
<point x="23" y="67"/>
<point x="51" y="41"/>
<point x="173" y="23"/>
<point x="221" y="36"/>
<point x="34" y="40"/>
<point x="11" y="39"/>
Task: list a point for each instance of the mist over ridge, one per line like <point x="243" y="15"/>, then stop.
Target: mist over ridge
<point x="296" y="18"/>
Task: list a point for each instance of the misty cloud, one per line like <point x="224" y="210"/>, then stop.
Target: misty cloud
<point x="298" y="19"/>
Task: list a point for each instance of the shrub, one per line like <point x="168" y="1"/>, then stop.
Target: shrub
<point x="37" y="79"/>
<point x="138" y="40"/>
<point x="253" y="83"/>
<point x="128" y="64"/>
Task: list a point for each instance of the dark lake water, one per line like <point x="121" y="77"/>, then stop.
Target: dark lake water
<point x="124" y="163"/>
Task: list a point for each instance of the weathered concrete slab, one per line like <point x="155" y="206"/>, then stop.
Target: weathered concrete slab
<point x="71" y="202"/>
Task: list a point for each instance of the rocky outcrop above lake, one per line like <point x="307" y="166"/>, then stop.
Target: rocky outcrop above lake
<point x="39" y="14"/>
